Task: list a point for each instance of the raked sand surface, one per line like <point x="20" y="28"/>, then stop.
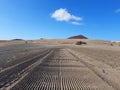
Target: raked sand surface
<point x="54" y="65"/>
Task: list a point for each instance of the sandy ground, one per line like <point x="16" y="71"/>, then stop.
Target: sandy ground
<point x="59" y="41"/>
<point x="61" y="65"/>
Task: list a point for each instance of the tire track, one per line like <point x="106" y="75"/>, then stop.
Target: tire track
<point x="12" y="75"/>
<point x="95" y="71"/>
<point x="51" y="75"/>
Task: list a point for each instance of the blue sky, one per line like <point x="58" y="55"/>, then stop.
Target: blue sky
<point x="34" y="19"/>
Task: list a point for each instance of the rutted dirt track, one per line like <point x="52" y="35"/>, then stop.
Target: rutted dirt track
<point x="53" y="69"/>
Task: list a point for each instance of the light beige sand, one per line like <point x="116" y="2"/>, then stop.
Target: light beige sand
<point x="95" y="66"/>
<point x="61" y="41"/>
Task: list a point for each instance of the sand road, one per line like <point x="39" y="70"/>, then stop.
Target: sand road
<point x="55" y="68"/>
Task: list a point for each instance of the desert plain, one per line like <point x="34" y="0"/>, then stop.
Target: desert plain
<point x="59" y="64"/>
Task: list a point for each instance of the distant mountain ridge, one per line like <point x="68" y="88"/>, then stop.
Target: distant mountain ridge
<point x="78" y="37"/>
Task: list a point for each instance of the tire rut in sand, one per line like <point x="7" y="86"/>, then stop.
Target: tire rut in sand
<point x="62" y="71"/>
<point x="12" y="75"/>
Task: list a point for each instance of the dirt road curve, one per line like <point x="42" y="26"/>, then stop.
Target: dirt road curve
<point x="53" y="69"/>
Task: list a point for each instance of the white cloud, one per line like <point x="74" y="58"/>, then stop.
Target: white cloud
<point x="118" y="10"/>
<point x="76" y="23"/>
<point x="63" y="15"/>
<point x="76" y="18"/>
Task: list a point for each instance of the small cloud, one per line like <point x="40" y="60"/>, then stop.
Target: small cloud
<point x="76" y="18"/>
<point x="118" y="10"/>
<point x="63" y="15"/>
<point x="76" y="23"/>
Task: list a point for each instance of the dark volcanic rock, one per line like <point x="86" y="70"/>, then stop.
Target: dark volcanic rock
<point x="78" y="37"/>
<point x="17" y="39"/>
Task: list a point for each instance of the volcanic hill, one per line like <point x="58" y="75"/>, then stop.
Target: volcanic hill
<point x="78" y="37"/>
